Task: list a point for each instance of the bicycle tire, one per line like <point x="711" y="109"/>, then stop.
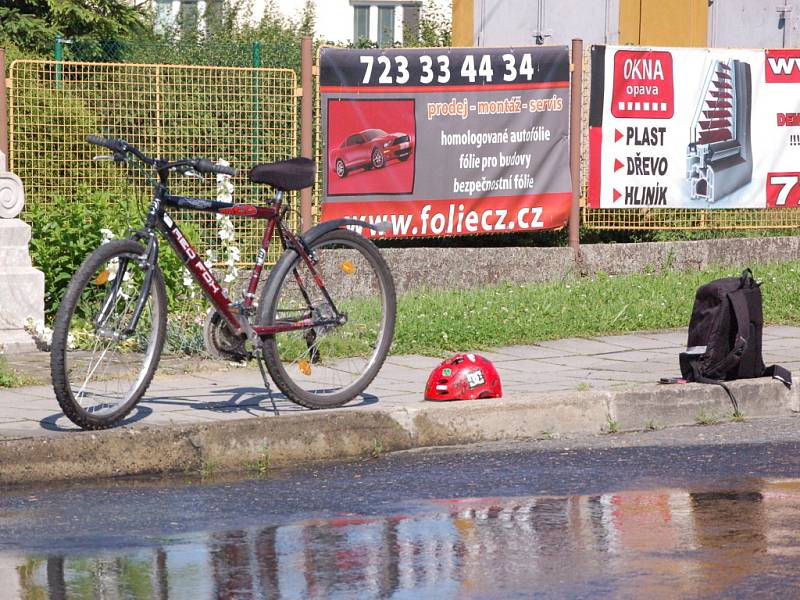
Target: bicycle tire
<point x="86" y="288"/>
<point x="327" y="357"/>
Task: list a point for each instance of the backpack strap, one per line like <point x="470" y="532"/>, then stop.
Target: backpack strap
<point x="700" y="378"/>
<point x="742" y="314"/>
<point x="780" y="373"/>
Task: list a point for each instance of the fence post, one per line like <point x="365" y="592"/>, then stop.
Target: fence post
<point x="575" y="107"/>
<point x="58" y="56"/>
<point x="306" y="122"/>
<point x="158" y="111"/>
<point x="3" y="109"/>
<point x="256" y="64"/>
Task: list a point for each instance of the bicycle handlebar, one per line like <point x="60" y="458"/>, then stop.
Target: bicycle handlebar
<point x="115" y="145"/>
<point x="201" y="165"/>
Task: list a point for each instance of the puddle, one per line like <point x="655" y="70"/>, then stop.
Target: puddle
<point x="652" y="543"/>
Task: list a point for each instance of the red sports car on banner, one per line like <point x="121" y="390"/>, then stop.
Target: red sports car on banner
<point x="371" y="148"/>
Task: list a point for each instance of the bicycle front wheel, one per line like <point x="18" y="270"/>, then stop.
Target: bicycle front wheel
<point x="101" y="364"/>
<point x="329" y="364"/>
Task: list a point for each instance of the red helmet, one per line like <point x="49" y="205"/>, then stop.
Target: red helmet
<point x="464" y="377"/>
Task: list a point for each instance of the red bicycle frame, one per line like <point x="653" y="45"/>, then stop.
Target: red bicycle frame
<point x="205" y="278"/>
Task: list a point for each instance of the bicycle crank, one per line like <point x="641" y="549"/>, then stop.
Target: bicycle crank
<point x="221" y="343"/>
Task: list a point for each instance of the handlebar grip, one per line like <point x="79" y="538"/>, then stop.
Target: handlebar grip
<point x="203" y="165"/>
<point x="111" y="144"/>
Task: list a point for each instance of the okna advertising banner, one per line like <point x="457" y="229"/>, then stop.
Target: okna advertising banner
<point x="694" y="128"/>
<point x="446" y="141"/>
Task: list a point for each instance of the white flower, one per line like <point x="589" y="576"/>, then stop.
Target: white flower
<point x="107" y="234"/>
<point x="224" y="234"/>
<point x="112" y="268"/>
<point x="40" y="332"/>
<point x="224" y="184"/>
<point x="188" y="281"/>
<point x="187" y="278"/>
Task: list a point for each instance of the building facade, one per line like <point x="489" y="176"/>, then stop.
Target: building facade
<point x="384" y="22"/>
<point x="703" y="23"/>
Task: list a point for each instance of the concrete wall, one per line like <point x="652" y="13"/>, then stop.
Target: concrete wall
<point x="461" y="268"/>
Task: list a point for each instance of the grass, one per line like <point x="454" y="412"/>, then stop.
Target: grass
<point x="9" y="378"/>
<point x="440" y="322"/>
<point x="705" y="419"/>
<point x="206" y="469"/>
<point x="377" y="449"/>
<point x="612" y="425"/>
<point x="261" y="464"/>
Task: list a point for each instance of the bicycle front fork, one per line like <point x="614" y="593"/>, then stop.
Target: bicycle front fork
<point x="147" y="261"/>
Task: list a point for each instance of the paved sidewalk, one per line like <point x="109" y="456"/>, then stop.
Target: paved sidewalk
<point x="620" y="363"/>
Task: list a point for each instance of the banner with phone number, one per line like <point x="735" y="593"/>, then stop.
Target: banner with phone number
<point x="440" y="142"/>
<point x="694" y="128"/>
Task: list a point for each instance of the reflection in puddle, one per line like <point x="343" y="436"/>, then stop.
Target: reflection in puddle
<point x="659" y="543"/>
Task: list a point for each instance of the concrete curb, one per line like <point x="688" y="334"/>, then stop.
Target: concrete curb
<point x="349" y="433"/>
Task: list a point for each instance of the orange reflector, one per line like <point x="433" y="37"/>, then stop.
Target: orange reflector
<point x="348" y="267"/>
<point x="305" y="367"/>
<point x="102" y="277"/>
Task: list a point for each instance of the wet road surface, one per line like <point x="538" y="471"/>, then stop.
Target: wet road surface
<point x="711" y="512"/>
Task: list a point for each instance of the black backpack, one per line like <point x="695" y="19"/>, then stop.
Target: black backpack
<point x="725" y="335"/>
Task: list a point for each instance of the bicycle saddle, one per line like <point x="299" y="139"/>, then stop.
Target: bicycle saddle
<point x="286" y="175"/>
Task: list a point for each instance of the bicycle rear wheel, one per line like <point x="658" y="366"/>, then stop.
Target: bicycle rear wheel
<point x="100" y="370"/>
<point x="330" y="364"/>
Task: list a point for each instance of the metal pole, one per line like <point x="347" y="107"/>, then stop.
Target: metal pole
<point x="256" y="63"/>
<point x="255" y="149"/>
<point x="58" y="56"/>
<point x="306" y="122"/>
<point x="575" y="105"/>
<point x="3" y="108"/>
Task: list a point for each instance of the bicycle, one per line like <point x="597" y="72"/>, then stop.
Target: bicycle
<point x="322" y="325"/>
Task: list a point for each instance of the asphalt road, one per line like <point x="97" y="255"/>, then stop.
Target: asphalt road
<point x="644" y="512"/>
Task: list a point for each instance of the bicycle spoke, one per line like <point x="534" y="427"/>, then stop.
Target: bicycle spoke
<point x="333" y="361"/>
<point x="100" y="379"/>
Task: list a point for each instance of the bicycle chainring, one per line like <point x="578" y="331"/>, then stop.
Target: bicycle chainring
<point x="221" y="342"/>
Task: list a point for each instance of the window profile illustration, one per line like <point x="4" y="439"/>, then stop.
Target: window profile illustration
<point x="719" y="157"/>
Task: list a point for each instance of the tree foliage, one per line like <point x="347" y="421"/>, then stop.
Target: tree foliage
<point x="435" y="27"/>
<point x="32" y="25"/>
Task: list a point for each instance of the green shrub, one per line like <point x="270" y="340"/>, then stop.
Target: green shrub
<point x="66" y="231"/>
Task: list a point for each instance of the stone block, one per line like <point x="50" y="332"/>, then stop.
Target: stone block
<point x="12" y="195"/>
<point x="14" y="233"/>
<point x="21" y="297"/>
<point x="13" y="341"/>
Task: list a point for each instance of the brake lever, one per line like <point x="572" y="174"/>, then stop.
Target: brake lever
<point x="194" y="174"/>
<point x="104" y="157"/>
